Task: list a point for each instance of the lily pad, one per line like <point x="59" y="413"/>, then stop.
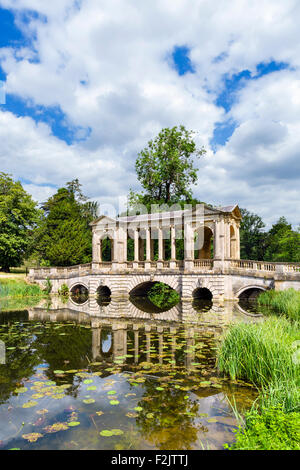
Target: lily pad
<point x="33" y="437"/>
<point x="30" y="404"/>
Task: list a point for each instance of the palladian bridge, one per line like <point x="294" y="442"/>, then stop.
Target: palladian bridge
<point x="194" y="251"/>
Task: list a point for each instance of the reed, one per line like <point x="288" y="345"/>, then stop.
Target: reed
<point x="285" y="302"/>
<point x="261" y="352"/>
<point x="18" y="289"/>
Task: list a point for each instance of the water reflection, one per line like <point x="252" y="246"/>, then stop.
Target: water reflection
<point x="151" y="377"/>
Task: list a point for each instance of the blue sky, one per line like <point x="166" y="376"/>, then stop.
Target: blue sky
<point x="87" y="88"/>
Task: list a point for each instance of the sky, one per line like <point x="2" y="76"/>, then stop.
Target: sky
<point x="85" y="84"/>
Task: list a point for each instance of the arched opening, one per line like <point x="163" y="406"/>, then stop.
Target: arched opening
<point x="232" y="243"/>
<point x="248" y="300"/>
<point x="202" y="293"/>
<point x="79" y="294"/>
<point x="204" y="243"/>
<point x="103" y="295"/>
<point x="106" y="342"/>
<point x="202" y="299"/>
<point x="251" y="293"/>
<point x="107" y="249"/>
<point x="154" y="297"/>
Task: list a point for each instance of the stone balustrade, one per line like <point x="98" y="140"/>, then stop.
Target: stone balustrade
<point x="196" y="266"/>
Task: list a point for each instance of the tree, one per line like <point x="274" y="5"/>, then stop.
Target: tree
<point x="19" y="216"/>
<point x="165" y="168"/>
<point x="64" y="237"/>
<point x="253" y="238"/>
<point x="283" y="242"/>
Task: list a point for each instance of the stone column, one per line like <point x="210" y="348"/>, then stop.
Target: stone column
<point x="136" y="346"/>
<point x="160" y="244"/>
<point x="148" y="244"/>
<point x="227" y="240"/>
<point x="188" y="247"/>
<point x="96" y="249"/>
<point x="136" y="245"/>
<point x="96" y="338"/>
<point x="238" y="242"/>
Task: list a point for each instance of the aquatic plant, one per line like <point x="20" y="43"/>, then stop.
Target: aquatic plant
<point x="263" y="353"/>
<point x="286" y="302"/>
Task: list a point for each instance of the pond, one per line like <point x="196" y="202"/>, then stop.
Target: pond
<point x="115" y="375"/>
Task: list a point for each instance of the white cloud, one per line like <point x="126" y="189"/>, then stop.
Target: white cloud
<point x="107" y="65"/>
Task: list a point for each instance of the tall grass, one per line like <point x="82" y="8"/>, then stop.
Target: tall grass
<point x="262" y="353"/>
<point x="18" y="289"/>
<point x="285" y="302"/>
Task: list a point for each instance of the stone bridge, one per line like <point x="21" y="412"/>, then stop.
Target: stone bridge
<point x="220" y="280"/>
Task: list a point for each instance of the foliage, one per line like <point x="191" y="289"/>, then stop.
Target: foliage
<point x="64" y="237"/>
<point x="165" y="168"/>
<point x="260" y="352"/>
<point x="253" y="239"/>
<point x="285" y="302"/>
<point x="280" y="243"/>
<point x="283" y="244"/>
<point x="162" y="295"/>
<point x="12" y="288"/>
<point x="18" y="217"/>
<point x="64" y="290"/>
<point x="48" y="286"/>
<point x="270" y="429"/>
<point x="264" y="354"/>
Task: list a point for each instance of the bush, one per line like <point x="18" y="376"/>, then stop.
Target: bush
<point x="163" y="296"/>
<point x="272" y="429"/>
<point x="64" y="291"/>
<point x="48" y="286"/>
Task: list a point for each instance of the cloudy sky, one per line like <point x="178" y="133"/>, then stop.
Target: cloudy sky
<point x="89" y="82"/>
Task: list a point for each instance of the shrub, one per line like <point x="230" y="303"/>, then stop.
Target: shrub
<point x="48" y="286"/>
<point x="163" y="296"/>
<point x="272" y="429"/>
<point x="64" y="291"/>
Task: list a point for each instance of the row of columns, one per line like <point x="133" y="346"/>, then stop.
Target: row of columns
<point x="226" y="243"/>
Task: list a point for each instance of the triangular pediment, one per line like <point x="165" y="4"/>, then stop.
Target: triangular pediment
<point x="103" y="220"/>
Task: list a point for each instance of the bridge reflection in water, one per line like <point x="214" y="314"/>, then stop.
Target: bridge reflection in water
<point x="120" y="325"/>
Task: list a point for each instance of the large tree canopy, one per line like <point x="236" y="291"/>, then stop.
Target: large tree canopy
<point x="64" y="237"/>
<point x="253" y="238"/>
<point x="283" y="242"/>
<point x="165" y="168"/>
<point x="18" y="217"/>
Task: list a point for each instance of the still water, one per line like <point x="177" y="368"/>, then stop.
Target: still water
<point x="88" y="374"/>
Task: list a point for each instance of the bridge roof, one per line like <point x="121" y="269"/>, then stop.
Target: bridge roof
<point x="208" y="210"/>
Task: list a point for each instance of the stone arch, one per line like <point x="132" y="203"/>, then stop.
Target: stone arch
<point x="202" y="293"/>
<point x="103" y="290"/>
<point x="109" y="235"/>
<point x="250" y="288"/>
<point x="202" y="249"/>
<point x="171" y="281"/>
<point x="78" y="283"/>
<point x="233" y="242"/>
<point x="200" y="283"/>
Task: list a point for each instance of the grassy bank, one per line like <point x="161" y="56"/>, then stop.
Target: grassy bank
<point x="11" y="288"/>
<point x="285" y="302"/>
<point x="264" y="354"/>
